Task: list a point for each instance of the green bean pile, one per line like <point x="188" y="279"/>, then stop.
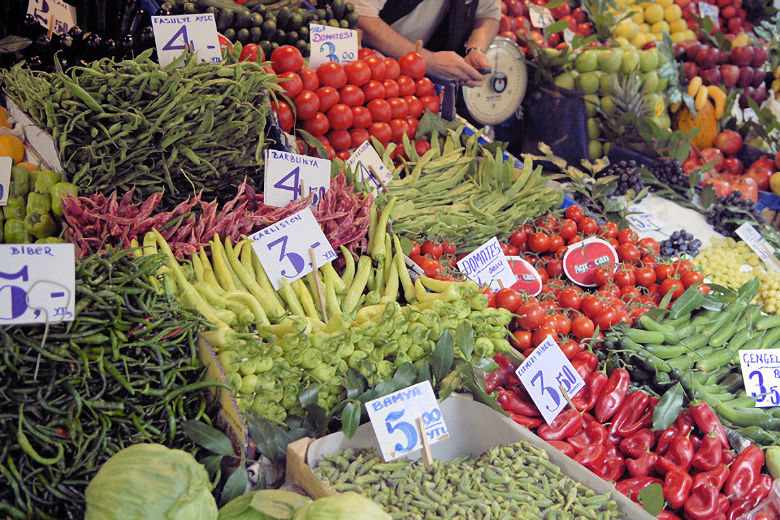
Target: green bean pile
<point x="125" y="371"/>
<point x="131" y="123"/>
<point x="516" y="481"/>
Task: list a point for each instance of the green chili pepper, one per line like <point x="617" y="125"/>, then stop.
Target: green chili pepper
<point x="20" y="181"/>
<point x="39" y="224"/>
<point x="15" y="232"/>
<point x="60" y="190"/>
<point x="15" y="208"/>
<point x="38" y="203"/>
<point x="45" y="180"/>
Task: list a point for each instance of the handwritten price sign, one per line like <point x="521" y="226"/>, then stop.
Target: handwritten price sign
<point x="487" y="265"/>
<point x="331" y="44"/>
<point x="5" y="179"/>
<point x="196" y="32"/>
<point x="543" y="373"/>
<point x="37" y="283"/>
<point x="761" y="373"/>
<point x="540" y="16"/>
<point x="285" y="173"/>
<point x="394" y="418"/>
<point x="63" y="15"/>
<point x="366" y="157"/>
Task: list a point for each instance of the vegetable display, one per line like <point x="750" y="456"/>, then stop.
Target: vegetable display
<point x="506" y="481"/>
<point x="124" y="371"/>
<point x="184" y="128"/>
<point x="264" y="504"/>
<point x="343" y="506"/>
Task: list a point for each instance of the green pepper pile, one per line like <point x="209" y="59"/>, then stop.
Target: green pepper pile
<point x="35" y="199"/>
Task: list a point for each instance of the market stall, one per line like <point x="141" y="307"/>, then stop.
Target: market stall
<point x="253" y="269"/>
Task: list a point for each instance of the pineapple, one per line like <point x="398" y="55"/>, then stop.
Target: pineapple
<point x="631" y="104"/>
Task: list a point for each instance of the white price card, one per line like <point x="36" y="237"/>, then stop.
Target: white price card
<point x="568" y="36"/>
<point x="5" y="179"/>
<point x="285" y="173"/>
<point x="710" y="11"/>
<point x="748" y="114"/>
<point x="761" y="374"/>
<point x="540" y="16"/>
<point x="283" y="248"/>
<point x="487" y="265"/>
<point x="39" y="139"/>
<point x="63" y="14"/>
<point x="394" y="418"/>
<point x="331" y="44"/>
<point x="37" y="283"/>
<point x="194" y="32"/>
<point x="759" y="245"/>
<point x="366" y="157"/>
<point x="543" y="373"/>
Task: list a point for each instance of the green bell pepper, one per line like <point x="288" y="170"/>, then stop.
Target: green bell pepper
<point x="50" y="240"/>
<point x="39" y="224"/>
<point x="20" y="181"/>
<point x="15" y="208"/>
<point x="34" y="177"/>
<point x="15" y="232"/>
<point x="58" y="191"/>
<point x="45" y="180"/>
<point x="38" y="202"/>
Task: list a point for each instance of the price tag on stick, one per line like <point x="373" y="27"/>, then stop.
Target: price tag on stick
<point x="37" y="283"/>
<point x="394" y="418"/>
<point x="286" y="173"/>
<point x="761" y="374"/>
<point x="6" y="164"/>
<point x="194" y="32"/>
<point x="546" y="375"/>
<point x="710" y="11"/>
<point x="55" y="15"/>
<point x="487" y="265"/>
<point x="331" y="44"/>
<point x="363" y="160"/>
<point x="283" y="248"/>
<point x="540" y="16"/>
<point x="759" y="245"/>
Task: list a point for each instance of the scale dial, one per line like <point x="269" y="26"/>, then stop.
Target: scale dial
<point x="500" y="95"/>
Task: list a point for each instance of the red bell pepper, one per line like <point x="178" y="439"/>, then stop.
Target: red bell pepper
<point x="707" y="457"/>
<point x="564" y="426"/>
<point x="592" y="456"/>
<point x="665" y="439"/>
<point x="612" y="395"/>
<point x="632" y="486"/>
<point x="644" y="421"/>
<point x="528" y="422"/>
<point x="614" y="465"/>
<point x="642" y="466"/>
<point x="666" y="515"/>
<point x="708" y="422"/>
<point x="637" y="443"/>
<point x="744" y="472"/>
<point x="593" y="433"/>
<point x="703" y="503"/>
<point x="681" y="452"/>
<point x="715" y="477"/>
<point x="723" y="504"/>
<point x="586" y="400"/>
<point x="758" y="492"/>
<point x="684" y="423"/>
<point x="564" y="447"/>
<point x="492" y="381"/>
<point x="632" y="408"/>
<point x="511" y="403"/>
<point x="585" y="363"/>
<point x="677" y="487"/>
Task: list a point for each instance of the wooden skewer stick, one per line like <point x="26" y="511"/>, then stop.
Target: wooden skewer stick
<point x="51" y="27"/>
<point x="426" y="448"/>
<point x="501" y="284"/>
<point x="317" y="286"/>
<point x="378" y="179"/>
<point x="566" y="396"/>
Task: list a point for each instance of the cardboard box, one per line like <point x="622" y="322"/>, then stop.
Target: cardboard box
<point x="474" y="428"/>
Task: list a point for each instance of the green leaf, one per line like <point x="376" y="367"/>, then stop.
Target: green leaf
<point x="355" y="383"/>
<point x="472" y="384"/>
<point x="449" y="384"/>
<point x="405" y="375"/>
<point x="211" y="463"/>
<point x="486" y="364"/>
<point x="668" y="408"/>
<point x="652" y="499"/>
<point x="688" y="301"/>
<point x="443" y="356"/>
<point x="309" y="396"/>
<point x="707" y="196"/>
<point x="350" y="418"/>
<point x="464" y="338"/>
<point x="208" y="437"/>
<point x="666" y="299"/>
<point x="317" y="418"/>
<point x="11" y="44"/>
<point x="555" y="27"/>
<point x="747" y="292"/>
<point x="312" y="142"/>
<point x="235" y="486"/>
<point x="711" y="303"/>
<point x="424" y="372"/>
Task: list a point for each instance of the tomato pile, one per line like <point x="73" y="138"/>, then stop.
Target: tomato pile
<point x="344" y="105"/>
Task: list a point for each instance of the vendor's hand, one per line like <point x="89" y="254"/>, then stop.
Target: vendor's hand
<point x="477" y="59"/>
<point x="449" y="65"/>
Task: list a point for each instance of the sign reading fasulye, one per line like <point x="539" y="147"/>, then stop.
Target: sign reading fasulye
<point x="394" y="419"/>
<point x="37" y="283"/>
<point x="194" y="32"/>
<point x="761" y="374"/>
<point x="331" y="44"/>
<point x="487" y="265"/>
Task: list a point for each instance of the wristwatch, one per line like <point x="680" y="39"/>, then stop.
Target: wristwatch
<point x="469" y="49"/>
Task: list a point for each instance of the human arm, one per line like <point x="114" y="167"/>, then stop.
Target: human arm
<point x="485" y="30"/>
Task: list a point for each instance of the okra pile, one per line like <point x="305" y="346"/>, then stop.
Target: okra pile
<point x="515" y="481"/>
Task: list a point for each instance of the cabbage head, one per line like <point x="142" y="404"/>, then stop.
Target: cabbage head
<point x="264" y="504"/>
<point x="344" y="506"/>
<point x="151" y="482"/>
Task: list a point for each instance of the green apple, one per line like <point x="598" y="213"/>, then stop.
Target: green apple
<point x="594" y="128"/>
<point x="607" y="105"/>
<point x="648" y="60"/>
<point x="594" y="150"/>
<point x="591" y="105"/>
<point x="605" y="84"/>
<point x="662" y="84"/>
<point x="650" y="81"/>
<point x="589" y="82"/>
<point x="610" y="60"/>
<point x="565" y="80"/>
<point x="630" y="62"/>
<point x="587" y="61"/>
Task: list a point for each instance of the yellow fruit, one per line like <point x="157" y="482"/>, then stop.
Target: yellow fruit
<point x="678" y="26"/>
<point x="4" y="118"/>
<point x="660" y="27"/>
<point x="606" y="148"/>
<point x="741" y="40"/>
<point x="774" y="183"/>
<point x="690" y="35"/>
<point x="639" y="40"/>
<point x="672" y="13"/>
<point x="719" y="97"/>
<point x="638" y="17"/>
<point x="594" y="150"/>
<point x="654" y="13"/>
<point x="678" y="37"/>
<point x="644" y="28"/>
<point x="565" y="80"/>
<point x="11" y="146"/>
<point x="704" y="120"/>
<point x="594" y="128"/>
<point x="591" y="105"/>
<point x="626" y="29"/>
<point x="665" y="3"/>
<point x="607" y="105"/>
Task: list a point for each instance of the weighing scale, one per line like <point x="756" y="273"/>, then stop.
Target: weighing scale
<point x="500" y="96"/>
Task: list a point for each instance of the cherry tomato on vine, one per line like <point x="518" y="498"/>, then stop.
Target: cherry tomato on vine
<point x="432" y="249"/>
<point x="603" y="276"/>
<point x="541" y="334"/>
<point x="672" y="284"/>
<point x="575" y="213"/>
<point x="645" y="276"/>
<point x="539" y="242"/>
<point x="556" y="242"/>
<point x="624" y="277"/>
<point x="569" y="298"/>
<point x="628" y="236"/>
<point x="522" y="339"/>
<point x="568" y="228"/>
<point x="649" y="245"/>
<point x="508" y="299"/>
<point x="554" y="267"/>
<point x="588" y="226"/>
<point x="628" y="253"/>
<point x="689" y="278"/>
<point x="518" y="238"/>
<point x="530" y="315"/>
<point x="608" y="230"/>
<point x="582" y="327"/>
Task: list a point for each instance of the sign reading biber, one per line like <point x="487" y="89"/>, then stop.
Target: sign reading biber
<point x="331" y="44"/>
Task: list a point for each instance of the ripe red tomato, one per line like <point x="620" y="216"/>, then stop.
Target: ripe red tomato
<point x="607" y="318"/>
<point x="628" y="236"/>
<point x="352" y="95"/>
<point x="518" y="238"/>
<point x="361" y="117"/>
<point x="625" y="277"/>
<point x="564" y="324"/>
<point x="412" y="65"/>
<point x="547" y="222"/>
<point x="591" y="305"/>
<point x="508" y="299"/>
<point x="556" y="242"/>
<point x="575" y="213"/>
<point x="608" y="230"/>
<point x="582" y="327"/>
<point x="539" y="242"/>
<point x="541" y="334"/>
<point x="645" y="276"/>
<point x="332" y="74"/>
<point x="329" y="96"/>
<point x="251" y="52"/>
<point x="359" y="136"/>
<point x="291" y="83"/>
<point x="689" y="278"/>
<point x="340" y="117"/>
<point x="554" y="267"/>
<point x="570" y="349"/>
<point x="681" y="266"/>
<point x="381" y="131"/>
<point x="374" y="90"/>
<point x="392" y="68"/>
<point x="422" y="146"/>
<point x="672" y="284"/>
<point x="309" y="79"/>
<point x="522" y="339"/>
<point x="431" y="103"/>
<point x="340" y="140"/>
<point x="569" y="298"/>
<point x="398" y="108"/>
<point x="358" y="72"/>
<point x="286" y="58"/>
<point x="573" y="240"/>
<point x="414" y="105"/>
<point x="530" y="315"/>
<point x="365" y="52"/>
<point x="588" y="226"/>
<point x="628" y="253"/>
<point x="317" y="125"/>
<point x="663" y="271"/>
<point x="568" y="229"/>
<point x="424" y="87"/>
<point x="543" y="274"/>
<point x="344" y="155"/>
<point x="284" y="115"/>
<point x="649" y="260"/>
<point x="603" y="276"/>
<point x="430" y="267"/>
<point x="649" y="246"/>
<point x="307" y="104"/>
<point x="377" y="66"/>
<point x="380" y="110"/>
<point x="411" y="125"/>
<point x="399" y="128"/>
<point x="432" y="249"/>
<point x="406" y="86"/>
<point x="391" y="88"/>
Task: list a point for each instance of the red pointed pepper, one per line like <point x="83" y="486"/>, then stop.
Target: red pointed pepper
<point x="612" y="395"/>
<point x="528" y="422"/>
<point x="666" y="515"/>
<point x="677" y="487"/>
<point x="642" y="466"/>
<point x="593" y="433"/>
<point x="715" y="477"/>
<point x="614" y="465"/>
<point x="758" y="492"/>
<point x="744" y="472"/>
<point x="684" y="423"/>
<point x="632" y="408"/>
<point x="586" y="400"/>
<point x="492" y="381"/>
<point x="592" y="456"/>
<point x="727" y="456"/>
<point x="681" y="452"/>
<point x="707" y="457"/>
<point x="506" y="371"/>
<point x="708" y="422"/>
<point x="703" y="503"/>
<point x="723" y="504"/>
<point x="632" y="486"/>
<point x="564" y="447"/>
<point x="564" y="426"/>
<point x="585" y="363"/>
<point x="511" y="403"/>
<point x="665" y="439"/>
<point x="696" y="441"/>
<point x="637" y="443"/>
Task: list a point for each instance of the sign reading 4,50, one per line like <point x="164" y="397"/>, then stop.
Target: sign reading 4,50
<point x="292" y="183"/>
